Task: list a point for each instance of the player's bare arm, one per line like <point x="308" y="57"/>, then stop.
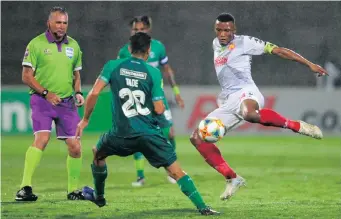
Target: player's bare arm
<point x="29" y="80"/>
<point x="159" y="107"/>
<point x="90" y="103"/>
<point x="77" y="88"/>
<point x="291" y="55"/>
<point x="169" y="73"/>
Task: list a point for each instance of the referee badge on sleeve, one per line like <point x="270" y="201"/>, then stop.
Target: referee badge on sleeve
<point x="69" y="52"/>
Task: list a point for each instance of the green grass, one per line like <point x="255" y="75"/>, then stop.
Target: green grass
<point x="294" y="177"/>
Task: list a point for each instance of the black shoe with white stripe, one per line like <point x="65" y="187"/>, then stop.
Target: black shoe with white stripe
<point x="26" y="194"/>
<point x="208" y="211"/>
<point x="75" y="195"/>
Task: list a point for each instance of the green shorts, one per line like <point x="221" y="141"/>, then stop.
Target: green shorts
<point x="165" y="132"/>
<point x="157" y="150"/>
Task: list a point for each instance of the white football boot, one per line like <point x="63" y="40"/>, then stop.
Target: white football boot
<point x="310" y="130"/>
<point x="139" y="182"/>
<point x="232" y="185"/>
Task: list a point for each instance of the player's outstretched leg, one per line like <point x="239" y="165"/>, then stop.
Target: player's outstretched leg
<point x="213" y="157"/>
<point x="74" y="166"/>
<point x="99" y="173"/>
<point x="188" y="188"/>
<point x="267" y="117"/>
<point x="139" y="165"/>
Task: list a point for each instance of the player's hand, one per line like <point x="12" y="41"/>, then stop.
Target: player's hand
<point x="80" y="127"/>
<point x="79" y="100"/>
<point x="53" y="98"/>
<point x="179" y="101"/>
<point x="319" y="70"/>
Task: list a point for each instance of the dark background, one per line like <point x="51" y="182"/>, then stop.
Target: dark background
<point x="312" y="29"/>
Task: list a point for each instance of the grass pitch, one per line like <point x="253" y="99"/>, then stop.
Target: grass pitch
<point x="287" y="177"/>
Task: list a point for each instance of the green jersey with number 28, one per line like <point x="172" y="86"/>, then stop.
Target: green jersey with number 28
<point x="157" y="58"/>
<point x="134" y="86"/>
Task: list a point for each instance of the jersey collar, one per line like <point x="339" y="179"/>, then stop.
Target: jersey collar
<point x="51" y="39"/>
<point x="133" y="57"/>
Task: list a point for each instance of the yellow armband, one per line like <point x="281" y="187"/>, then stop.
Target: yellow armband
<point x="269" y="47"/>
<point x="176" y="90"/>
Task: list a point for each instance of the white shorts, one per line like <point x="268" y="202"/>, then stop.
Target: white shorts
<point x="229" y="107"/>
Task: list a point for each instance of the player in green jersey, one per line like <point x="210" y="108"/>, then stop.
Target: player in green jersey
<point x="157" y="58"/>
<point x="137" y="101"/>
<point x="51" y="66"/>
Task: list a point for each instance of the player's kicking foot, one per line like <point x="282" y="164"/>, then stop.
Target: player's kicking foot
<point x="26" y="194"/>
<point x="310" y="130"/>
<point x="171" y="180"/>
<point x="139" y="182"/>
<point x="89" y="194"/>
<point x="208" y="211"/>
<point x="232" y="185"/>
<point x="75" y="195"/>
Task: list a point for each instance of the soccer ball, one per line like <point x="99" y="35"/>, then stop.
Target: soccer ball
<point x="211" y="130"/>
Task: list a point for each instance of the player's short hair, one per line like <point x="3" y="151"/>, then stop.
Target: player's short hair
<point x="146" y="20"/>
<point x="225" y="17"/>
<point x="57" y="9"/>
<point x="139" y="43"/>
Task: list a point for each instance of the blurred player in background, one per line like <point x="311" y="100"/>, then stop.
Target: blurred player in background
<point x="51" y="68"/>
<point x="137" y="98"/>
<point x="240" y="100"/>
<point x="157" y="58"/>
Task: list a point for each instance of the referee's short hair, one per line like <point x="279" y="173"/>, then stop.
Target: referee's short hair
<point x="57" y="9"/>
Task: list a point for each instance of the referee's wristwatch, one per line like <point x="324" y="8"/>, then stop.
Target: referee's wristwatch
<point x="44" y="93"/>
<point x="78" y="92"/>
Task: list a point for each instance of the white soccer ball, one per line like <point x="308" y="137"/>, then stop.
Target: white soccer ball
<point x="211" y="130"/>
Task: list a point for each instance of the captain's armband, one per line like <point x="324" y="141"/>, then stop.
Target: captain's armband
<point x="269" y="47"/>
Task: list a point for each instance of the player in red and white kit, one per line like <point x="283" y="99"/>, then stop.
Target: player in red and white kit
<point x="240" y="100"/>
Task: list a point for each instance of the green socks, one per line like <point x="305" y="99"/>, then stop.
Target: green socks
<point x="32" y="159"/>
<point x="139" y="164"/>
<point x="188" y="188"/>
<point x="74" y="166"/>
<point x="99" y="174"/>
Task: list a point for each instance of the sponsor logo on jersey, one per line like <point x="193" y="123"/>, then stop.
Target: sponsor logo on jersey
<point x="220" y="61"/>
<point x="151" y="55"/>
<point x="133" y="74"/>
<point x="69" y="52"/>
